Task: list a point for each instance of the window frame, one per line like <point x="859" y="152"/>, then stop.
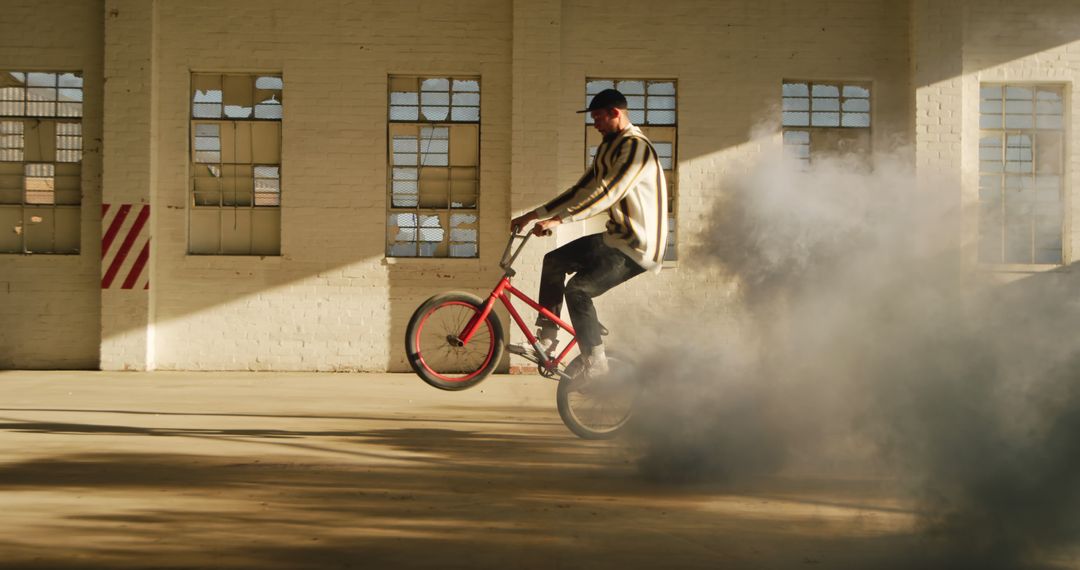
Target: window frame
<point x="839" y="131"/>
<point x="259" y="214"/>
<point x="444" y="248"/>
<point x="1003" y="133"/>
<point x="60" y="191"/>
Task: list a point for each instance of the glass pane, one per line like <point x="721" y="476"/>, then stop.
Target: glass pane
<point x="436" y="113"/>
<point x="467" y="99"/>
<point x="268" y="111"/>
<point x="1016" y="92"/>
<point x="796" y="104"/>
<point x="796" y="90"/>
<point x="991" y="107"/>
<point x="269" y="82"/>
<point x="1019" y="122"/>
<point x="40" y="79"/>
<point x="856" y="120"/>
<point x="856" y="91"/>
<point x="631" y="87"/>
<point x="820" y="90"/>
<point x="825" y="119"/>
<point x="597" y="85"/>
<point x="661" y="118"/>
<point x="858" y="105"/>
<point x="467" y="85"/>
<point x="990" y="92"/>
<point x="796" y="119"/>
<point x="662" y="88"/>
<point x="990" y="122"/>
<point x="471" y="114"/>
<point x="404" y="98"/>
<point x="435" y="84"/>
<point x="820" y="104"/>
<point x="404" y="113"/>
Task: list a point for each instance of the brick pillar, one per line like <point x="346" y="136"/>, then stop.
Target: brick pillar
<point x="937" y="37"/>
<point x="536" y="93"/>
<point x="127" y="182"/>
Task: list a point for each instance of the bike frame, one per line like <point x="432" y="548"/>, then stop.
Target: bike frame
<point x="503" y="292"/>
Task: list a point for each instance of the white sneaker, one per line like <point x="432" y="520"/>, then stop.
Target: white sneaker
<point x="546" y="344"/>
<point x="596" y="364"/>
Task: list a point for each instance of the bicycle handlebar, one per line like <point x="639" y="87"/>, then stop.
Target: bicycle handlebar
<point x="508" y="258"/>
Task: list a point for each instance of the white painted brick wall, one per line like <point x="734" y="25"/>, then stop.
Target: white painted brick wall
<point x="331" y="301"/>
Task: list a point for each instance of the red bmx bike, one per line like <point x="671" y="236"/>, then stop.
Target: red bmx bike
<point x="455" y="340"/>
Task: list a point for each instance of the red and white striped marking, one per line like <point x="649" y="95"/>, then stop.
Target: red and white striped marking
<point x="125" y="246"/>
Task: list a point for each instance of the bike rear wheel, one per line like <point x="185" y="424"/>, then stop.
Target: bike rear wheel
<point x="599" y="408"/>
<point x="437" y="356"/>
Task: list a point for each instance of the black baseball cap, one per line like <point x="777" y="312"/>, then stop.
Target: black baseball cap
<point x="606" y="99"/>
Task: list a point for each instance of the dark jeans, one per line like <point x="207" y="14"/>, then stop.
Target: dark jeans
<point x="596" y="268"/>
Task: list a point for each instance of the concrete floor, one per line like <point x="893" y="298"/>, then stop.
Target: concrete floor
<point x="260" y="470"/>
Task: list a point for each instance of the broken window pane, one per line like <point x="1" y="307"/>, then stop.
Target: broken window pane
<point x="431" y="165"/>
<point x="207" y="143"/>
<point x="268" y="185"/>
<point x="463" y="235"/>
<point x="40" y="184"/>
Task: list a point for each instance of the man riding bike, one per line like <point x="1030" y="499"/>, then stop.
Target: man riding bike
<point x="627" y="182"/>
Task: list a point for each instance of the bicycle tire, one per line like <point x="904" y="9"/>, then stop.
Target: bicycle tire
<point x="619" y="383"/>
<point x="430" y="352"/>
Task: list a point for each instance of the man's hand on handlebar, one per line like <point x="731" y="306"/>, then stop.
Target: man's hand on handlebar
<point x="542" y="228"/>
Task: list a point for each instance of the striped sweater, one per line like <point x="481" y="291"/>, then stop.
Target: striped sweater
<point x="627" y="181"/>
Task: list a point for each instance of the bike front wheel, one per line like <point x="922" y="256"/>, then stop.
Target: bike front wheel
<point x="599" y="408"/>
<point x="436" y="354"/>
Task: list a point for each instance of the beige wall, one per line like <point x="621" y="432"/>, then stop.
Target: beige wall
<point x="331" y="300"/>
<point x="50" y="305"/>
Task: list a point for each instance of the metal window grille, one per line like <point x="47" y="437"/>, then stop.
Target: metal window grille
<point x="825" y="118"/>
<point x="69" y="142"/>
<point x="1021" y="173"/>
<point x="433" y="148"/>
<point x="651" y="105"/>
<point x="40" y="161"/>
<point x="235" y="164"/>
<point x="11" y="141"/>
<point x="41" y="94"/>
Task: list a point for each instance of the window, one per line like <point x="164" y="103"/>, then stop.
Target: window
<point x="40" y="161"/>
<point x="235" y="206"/>
<point x="434" y="171"/>
<point x="825" y="118"/>
<point x="1021" y="173"/>
<point x="652" y="108"/>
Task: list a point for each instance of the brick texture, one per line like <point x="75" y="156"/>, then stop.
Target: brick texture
<point x="331" y="301"/>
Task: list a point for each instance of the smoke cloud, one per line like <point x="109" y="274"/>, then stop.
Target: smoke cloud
<point x="862" y="342"/>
